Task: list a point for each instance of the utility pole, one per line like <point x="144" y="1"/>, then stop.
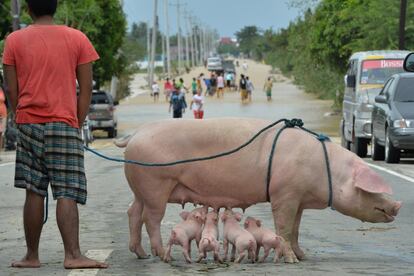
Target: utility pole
<point x="403" y="12"/>
<point x="153" y="42"/>
<point x="197" y="60"/>
<point x="164" y="64"/>
<point x="187" y="49"/>
<point x="179" y="36"/>
<point x="190" y="29"/>
<point x="148" y="52"/>
<point x="167" y="37"/>
<point x="15" y="9"/>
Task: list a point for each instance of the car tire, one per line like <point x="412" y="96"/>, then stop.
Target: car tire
<point x="112" y="133"/>
<point x="392" y="154"/>
<point x="377" y="151"/>
<point x="359" y="147"/>
<point x="345" y="143"/>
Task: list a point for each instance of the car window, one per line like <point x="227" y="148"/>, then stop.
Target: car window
<point x="100" y="98"/>
<point x="386" y="87"/>
<point x="405" y="90"/>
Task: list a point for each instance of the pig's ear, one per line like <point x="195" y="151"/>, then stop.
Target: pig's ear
<point x="366" y="179"/>
<point x="246" y="224"/>
<point x="258" y="223"/>
<point x="238" y="216"/>
<point x="184" y="215"/>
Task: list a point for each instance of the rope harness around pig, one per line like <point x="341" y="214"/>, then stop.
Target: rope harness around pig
<point x="294" y="123"/>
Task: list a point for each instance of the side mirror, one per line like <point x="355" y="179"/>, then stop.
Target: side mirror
<point x="350" y="81"/>
<point x="116" y="102"/>
<point x="409" y="63"/>
<point x="380" y="99"/>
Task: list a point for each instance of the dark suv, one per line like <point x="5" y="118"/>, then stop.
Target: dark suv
<point x="102" y="113"/>
<point x="393" y="119"/>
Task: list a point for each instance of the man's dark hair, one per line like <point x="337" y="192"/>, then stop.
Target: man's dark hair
<point x="42" y="7"/>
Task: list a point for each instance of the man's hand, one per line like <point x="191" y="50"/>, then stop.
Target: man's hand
<point x="84" y="76"/>
<point x="11" y="85"/>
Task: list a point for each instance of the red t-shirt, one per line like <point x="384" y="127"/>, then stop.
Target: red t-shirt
<point x="46" y="57"/>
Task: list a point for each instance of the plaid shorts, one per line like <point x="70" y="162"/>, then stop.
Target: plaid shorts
<point x="51" y="153"/>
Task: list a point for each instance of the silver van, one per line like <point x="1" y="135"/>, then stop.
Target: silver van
<point x="366" y="75"/>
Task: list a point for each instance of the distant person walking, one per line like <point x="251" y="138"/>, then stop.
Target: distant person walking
<point x="208" y="87"/>
<point x="213" y="84"/>
<point x="194" y="86"/>
<point x="243" y="88"/>
<point x="268" y="88"/>
<point x="168" y="88"/>
<point x="220" y="86"/>
<point x="245" y="66"/>
<point x="199" y="86"/>
<point x="197" y="105"/>
<point x="229" y="80"/>
<point x="155" y="91"/>
<point x="177" y="103"/>
<point x="249" y="88"/>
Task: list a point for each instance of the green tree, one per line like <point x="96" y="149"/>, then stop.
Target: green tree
<point x="248" y="38"/>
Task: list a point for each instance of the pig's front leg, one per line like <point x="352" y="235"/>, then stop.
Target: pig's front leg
<point x="217" y="254"/>
<point x="167" y="255"/>
<point x="257" y="252"/>
<point x="225" y="248"/>
<point x="233" y="253"/>
<point x="266" y="253"/>
<point x="187" y="251"/>
<point x="284" y="214"/>
<point x="295" y="239"/>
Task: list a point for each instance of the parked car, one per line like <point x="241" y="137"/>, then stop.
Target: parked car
<point x="102" y="113"/>
<point x="393" y="119"/>
<point x="366" y="75"/>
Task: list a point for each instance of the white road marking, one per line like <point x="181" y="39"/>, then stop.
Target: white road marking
<point x="410" y="179"/>
<point x="6" y="164"/>
<point x="99" y="255"/>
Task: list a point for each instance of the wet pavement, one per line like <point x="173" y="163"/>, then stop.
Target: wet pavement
<point x="334" y="243"/>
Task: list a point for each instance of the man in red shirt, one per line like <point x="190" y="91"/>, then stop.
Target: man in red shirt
<point x="41" y="65"/>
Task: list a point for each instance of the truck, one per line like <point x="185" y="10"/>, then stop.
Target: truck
<point x="366" y="75"/>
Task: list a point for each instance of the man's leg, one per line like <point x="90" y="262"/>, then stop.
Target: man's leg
<point x="33" y="223"/>
<point x="68" y="223"/>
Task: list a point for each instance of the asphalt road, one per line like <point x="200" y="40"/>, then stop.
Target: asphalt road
<point x="334" y="244"/>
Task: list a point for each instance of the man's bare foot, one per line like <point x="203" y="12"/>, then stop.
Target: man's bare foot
<point x="26" y="263"/>
<point x="83" y="262"/>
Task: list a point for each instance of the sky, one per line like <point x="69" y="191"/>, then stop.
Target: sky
<point x="226" y="16"/>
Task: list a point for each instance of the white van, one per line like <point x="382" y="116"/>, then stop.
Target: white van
<point x="366" y="75"/>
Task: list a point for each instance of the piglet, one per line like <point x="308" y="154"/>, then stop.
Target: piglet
<point x="209" y="238"/>
<point x="240" y="238"/>
<point x="183" y="233"/>
<point x="264" y="237"/>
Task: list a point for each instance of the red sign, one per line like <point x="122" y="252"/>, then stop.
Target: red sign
<point x="384" y="63"/>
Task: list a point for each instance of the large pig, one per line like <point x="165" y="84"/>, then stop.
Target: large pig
<point x="298" y="180"/>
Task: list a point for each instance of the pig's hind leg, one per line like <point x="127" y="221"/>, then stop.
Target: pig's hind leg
<point x="135" y="228"/>
<point x="295" y="237"/>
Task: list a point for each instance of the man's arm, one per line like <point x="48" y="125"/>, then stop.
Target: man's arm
<point x="11" y="86"/>
<point x="84" y="76"/>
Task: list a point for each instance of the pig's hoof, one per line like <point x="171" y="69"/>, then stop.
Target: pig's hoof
<point x="291" y="259"/>
<point x="299" y="253"/>
<point x="138" y="251"/>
